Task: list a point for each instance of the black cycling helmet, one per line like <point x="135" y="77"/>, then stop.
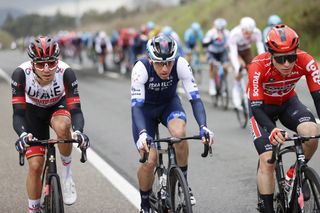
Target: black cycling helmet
<point x="43" y="48"/>
<point x="162" y="48"/>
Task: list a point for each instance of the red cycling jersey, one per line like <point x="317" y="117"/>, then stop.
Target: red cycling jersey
<point x="268" y="85"/>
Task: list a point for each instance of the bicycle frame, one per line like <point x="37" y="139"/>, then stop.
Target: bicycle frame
<point x="289" y="200"/>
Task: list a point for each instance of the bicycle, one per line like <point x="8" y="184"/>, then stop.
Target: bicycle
<point x="222" y="89"/>
<point x="170" y="192"/>
<point x="196" y="65"/>
<point x="304" y="196"/>
<point x="53" y="200"/>
<point x="243" y="114"/>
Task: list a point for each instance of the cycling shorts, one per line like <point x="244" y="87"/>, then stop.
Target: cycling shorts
<point x="246" y="55"/>
<point x="38" y="118"/>
<point x="222" y="57"/>
<point x="290" y="114"/>
<point x="162" y="113"/>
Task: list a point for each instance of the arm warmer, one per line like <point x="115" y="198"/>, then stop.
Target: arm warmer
<point x="199" y="112"/>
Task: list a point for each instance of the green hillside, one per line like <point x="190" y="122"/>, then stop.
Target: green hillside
<point x="302" y="15"/>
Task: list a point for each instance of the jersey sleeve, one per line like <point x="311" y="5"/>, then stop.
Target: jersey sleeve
<point x="18" y="80"/>
<point x="73" y="99"/>
<point x="139" y="77"/>
<point x="185" y="75"/>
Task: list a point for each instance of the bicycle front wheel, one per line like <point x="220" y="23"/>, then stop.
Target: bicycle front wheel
<point x="311" y="190"/>
<point x="179" y="192"/>
<point x="53" y="200"/>
<point x="242" y="115"/>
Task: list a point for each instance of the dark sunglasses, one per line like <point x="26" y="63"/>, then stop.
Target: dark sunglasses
<point x="42" y="64"/>
<point x="281" y="59"/>
<point x="167" y="63"/>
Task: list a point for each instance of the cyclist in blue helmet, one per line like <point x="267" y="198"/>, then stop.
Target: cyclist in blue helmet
<point x="154" y="99"/>
<point x="273" y="20"/>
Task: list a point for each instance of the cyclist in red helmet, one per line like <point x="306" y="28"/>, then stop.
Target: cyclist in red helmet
<point x="272" y="97"/>
<point x="45" y="94"/>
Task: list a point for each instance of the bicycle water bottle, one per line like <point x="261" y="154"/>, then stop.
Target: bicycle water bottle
<point x="289" y="180"/>
<point x="163" y="184"/>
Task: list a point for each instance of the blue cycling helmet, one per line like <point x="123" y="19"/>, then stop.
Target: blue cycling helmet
<point x="196" y="26"/>
<point x="220" y="23"/>
<point x="167" y="30"/>
<point x="274" y="20"/>
<point x="150" y="25"/>
<point x="162" y="48"/>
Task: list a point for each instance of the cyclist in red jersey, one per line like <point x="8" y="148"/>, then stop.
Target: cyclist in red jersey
<point x="271" y="90"/>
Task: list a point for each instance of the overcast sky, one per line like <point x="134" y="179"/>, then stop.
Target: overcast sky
<point x="70" y="7"/>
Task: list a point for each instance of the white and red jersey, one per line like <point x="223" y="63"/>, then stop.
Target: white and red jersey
<point x="43" y="96"/>
<point x="267" y="84"/>
<point x="237" y="42"/>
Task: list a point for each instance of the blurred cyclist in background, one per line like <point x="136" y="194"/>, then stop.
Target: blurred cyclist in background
<point x="154" y="99"/>
<point x="240" y="40"/>
<point x="168" y="31"/>
<point x="216" y="44"/>
<point x="192" y="39"/>
<point x="102" y="47"/>
<point x="272" y="21"/>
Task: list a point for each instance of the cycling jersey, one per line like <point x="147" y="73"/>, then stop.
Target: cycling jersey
<point x="266" y="86"/>
<point x="237" y="42"/>
<point x="217" y="40"/>
<point x="26" y="91"/>
<point x="148" y="89"/>
<point x="191" y="37"/>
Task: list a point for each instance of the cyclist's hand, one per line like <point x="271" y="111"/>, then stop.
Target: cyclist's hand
<point x="22" y="143"/>
<point x="206" y="135"/>
<point x="142" y="143"/>
<point x="278" y="136"/>
<point x="83" y="139"/>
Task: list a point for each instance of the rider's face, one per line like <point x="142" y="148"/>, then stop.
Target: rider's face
<point x="163" y="69"/>
<point x="45" y="70"/>
<point x="284" y="62"/>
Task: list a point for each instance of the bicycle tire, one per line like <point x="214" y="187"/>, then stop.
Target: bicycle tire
<point x="242" y="115"/>
<point x="224" y="93"/>
<point x="311" y="199"/>
<point x="179" y="192"/>
<point x="54" y="201"/>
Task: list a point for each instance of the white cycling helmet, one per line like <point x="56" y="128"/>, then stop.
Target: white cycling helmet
<point x="247" y="24"/>
<point x="220" y="23"/>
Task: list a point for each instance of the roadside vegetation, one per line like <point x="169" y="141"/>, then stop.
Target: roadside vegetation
<point x="303" y="16"/>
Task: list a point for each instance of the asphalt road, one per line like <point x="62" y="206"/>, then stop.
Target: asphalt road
<point x="223" y="183"/>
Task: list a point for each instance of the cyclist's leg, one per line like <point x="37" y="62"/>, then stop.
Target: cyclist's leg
<point x="35" y="117"/>
<point x="299" y="119"/>
<point x="145" y="171"/>
<point x="212" y="74"/>
<point x="236" y="90"/>
<point x="265" y="177"/>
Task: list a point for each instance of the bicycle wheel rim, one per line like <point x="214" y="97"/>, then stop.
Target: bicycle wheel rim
<point x="311" y="199"/>
<point x="179" y="192"/>
<point x="54" y="201"/>
<point x="242" y="115"/>
<point x="224" y="94"/>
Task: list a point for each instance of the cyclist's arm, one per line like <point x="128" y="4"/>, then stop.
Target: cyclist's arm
<point x="259" y="43"/>
<point x="233" y="54"/>
<point x="192" y="91"/>
<point x="138" y="78"/>
<point x="313" y="79"/>
<point x="18" y="101"/>
<point x="73" y="99"/>
<point x="256" y="97"/>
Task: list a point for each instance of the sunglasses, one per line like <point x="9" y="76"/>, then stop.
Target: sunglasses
<point x="162" y="64"/>
<point x="41" y="65"/>
<point x="281" y="59"/>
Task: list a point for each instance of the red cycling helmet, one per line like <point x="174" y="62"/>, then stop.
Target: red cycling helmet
<point x="43" y="48"/>
<point x="282" y="38"/>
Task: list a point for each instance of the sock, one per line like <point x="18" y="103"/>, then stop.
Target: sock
<point x="145" y="199"/>
<point x="268" y="203"/>
<point x="184" y="170"/>
<point x="66" y="166"/>
<point x="34" y="206"/>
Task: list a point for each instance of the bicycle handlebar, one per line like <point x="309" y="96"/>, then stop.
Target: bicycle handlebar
<point x="173" y="140"/>
<point x="295" y="137"/>
<point x="83" y="158"/>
